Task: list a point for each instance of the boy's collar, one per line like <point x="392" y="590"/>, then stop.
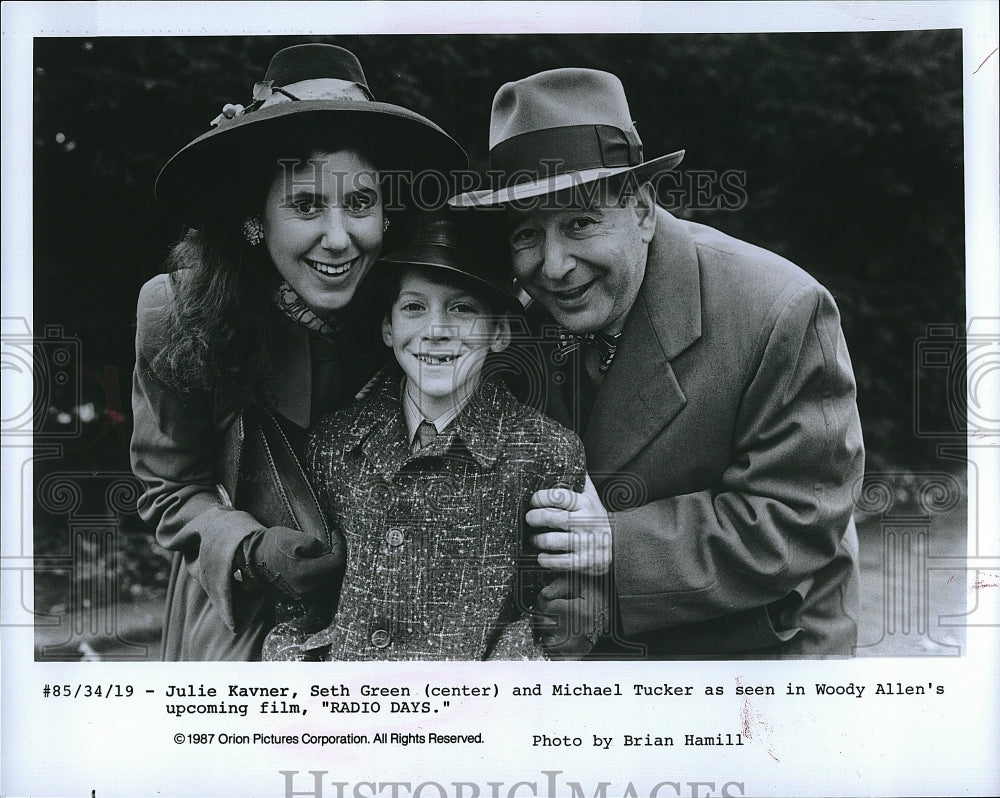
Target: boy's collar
<point x="484" y="423"/>
<point x="413" y="416"/>
<point x="478" y="428"/>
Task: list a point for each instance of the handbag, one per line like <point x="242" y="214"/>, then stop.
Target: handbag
<point x="257" y="472"/>
<point x="261" y="474"/>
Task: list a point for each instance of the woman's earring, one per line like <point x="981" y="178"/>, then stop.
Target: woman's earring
<point x="253" y="230"/>
<point x="385" y="225"/>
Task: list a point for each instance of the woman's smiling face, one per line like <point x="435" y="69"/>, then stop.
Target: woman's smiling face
<point x="323" y="226"/>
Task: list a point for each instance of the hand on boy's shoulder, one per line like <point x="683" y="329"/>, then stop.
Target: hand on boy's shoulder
<point x="578" y="530"/>
<point x="577" y="546"/>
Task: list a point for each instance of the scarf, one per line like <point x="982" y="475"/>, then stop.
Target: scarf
<point x="292" y="306"/>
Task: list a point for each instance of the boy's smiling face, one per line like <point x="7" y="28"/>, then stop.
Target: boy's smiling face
<point x="440" y="334"/>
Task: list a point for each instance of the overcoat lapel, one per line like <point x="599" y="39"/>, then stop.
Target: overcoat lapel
<point x="290" y="383"/>
<point x="640" y="394"/>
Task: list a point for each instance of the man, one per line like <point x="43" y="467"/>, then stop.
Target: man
<point x="714" y="395"/>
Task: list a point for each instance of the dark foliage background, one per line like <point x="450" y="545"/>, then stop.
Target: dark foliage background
<point x="851" y="144"/>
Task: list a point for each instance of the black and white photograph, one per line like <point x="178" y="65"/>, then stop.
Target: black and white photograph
<point x="422" y="399"/>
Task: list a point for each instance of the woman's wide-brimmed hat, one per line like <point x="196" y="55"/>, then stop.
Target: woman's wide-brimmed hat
<point x="308" y="90"/>
<point x="559" y="129"/>
<point x="456" y="243"/>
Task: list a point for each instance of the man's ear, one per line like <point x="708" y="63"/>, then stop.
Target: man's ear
<point x="643" y="203"/>
<point x="386" y="330"/>
<point x="501" y="334"/>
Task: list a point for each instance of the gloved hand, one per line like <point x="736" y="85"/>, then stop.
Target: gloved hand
<point x="297" y="563"/>
<point x="572" y="613"/>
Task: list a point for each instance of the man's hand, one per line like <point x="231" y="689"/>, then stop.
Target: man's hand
<point x="572" y="613"/>
<point x="584" y="542"/>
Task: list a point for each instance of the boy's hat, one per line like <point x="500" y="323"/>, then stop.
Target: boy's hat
<point x="558" y="129"/>
<point x="308" y="89"/>
<point x="451" y="241"/>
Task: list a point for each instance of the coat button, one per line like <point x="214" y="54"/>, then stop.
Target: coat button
<point x="395" y="536"/>
<point x="381" y="638"/>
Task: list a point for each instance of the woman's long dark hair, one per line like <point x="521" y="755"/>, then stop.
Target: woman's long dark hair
<point x="222" y="321"/>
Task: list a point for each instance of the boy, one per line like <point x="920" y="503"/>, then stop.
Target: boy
<point x="428" y="478"/>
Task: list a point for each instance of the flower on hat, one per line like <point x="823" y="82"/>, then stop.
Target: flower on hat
<point x="262" y="89"/>
<point x="229" y="111"/>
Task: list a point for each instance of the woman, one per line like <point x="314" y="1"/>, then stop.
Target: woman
<point x="286" y="204"/>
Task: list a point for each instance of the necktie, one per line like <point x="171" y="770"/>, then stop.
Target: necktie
<point x="594" y="353"/>
<point x="426" y="433"/>
<point x="606" y="345"/>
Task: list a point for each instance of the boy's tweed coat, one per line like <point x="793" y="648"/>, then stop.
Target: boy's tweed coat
<point x="437" y="564"/>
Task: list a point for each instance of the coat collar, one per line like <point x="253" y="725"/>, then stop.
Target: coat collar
<point x="290" y="382"/>
<point x="481" y="429"/>
<point x="640" y="394"/>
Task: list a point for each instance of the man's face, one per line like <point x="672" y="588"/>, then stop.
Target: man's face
<point x="584" y="261"/>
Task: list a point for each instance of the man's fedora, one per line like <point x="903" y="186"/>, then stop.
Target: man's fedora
<point x="309" y="90"/>
<point x="558" y="129"/>
<point x="454" y="243"/>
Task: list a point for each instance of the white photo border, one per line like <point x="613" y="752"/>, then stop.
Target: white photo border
<point x="841" y="746"/>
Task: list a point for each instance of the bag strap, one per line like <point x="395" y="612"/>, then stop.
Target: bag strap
<point x="227" y="469"/>
<point x="290" y="477"/>
<point x="256" y="445"/>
